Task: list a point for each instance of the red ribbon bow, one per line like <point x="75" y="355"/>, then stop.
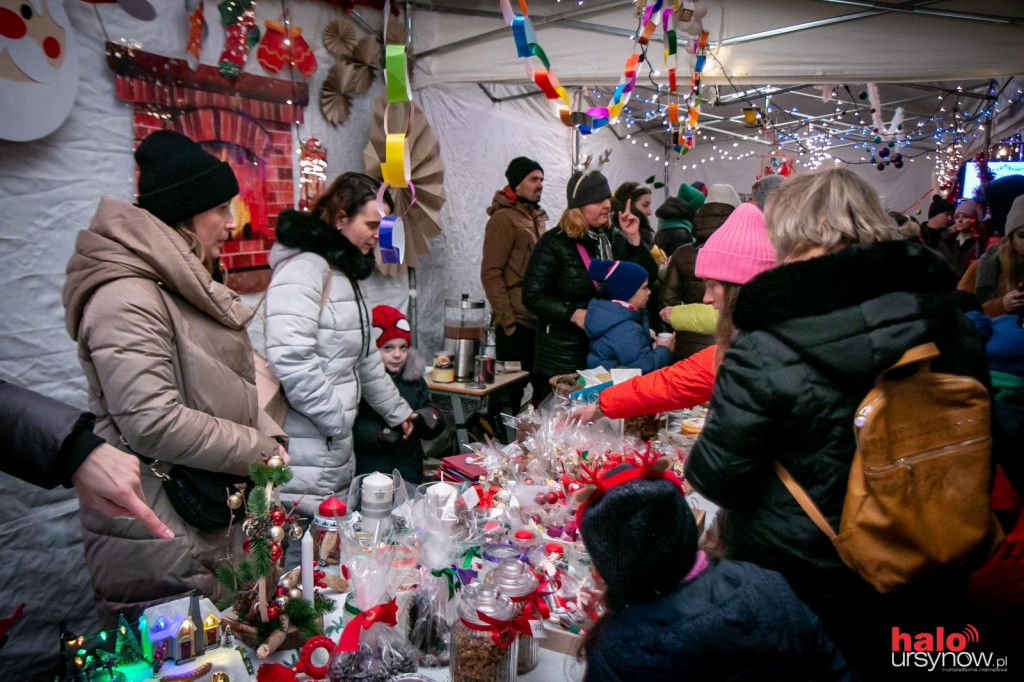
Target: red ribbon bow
<point x="503" y="632"/>
<point x="382" y="613"/>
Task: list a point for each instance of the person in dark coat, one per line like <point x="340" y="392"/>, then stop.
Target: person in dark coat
<point x="557" y="288"/>
<point x="48" y="443"/>
<point x="673" y="614"/>
<point x="379" y="447"/>
<point x="616" y="323"/>
<point x="681" y="285"/>
<point x="847" y="301"/>
<point x="940" y="217"/>
<point x="960" y="246"/>
<point x="675" y="225"/>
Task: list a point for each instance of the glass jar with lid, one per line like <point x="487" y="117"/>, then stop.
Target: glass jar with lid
<point x="514" y="580"/>
<point x="483" y="648"/>
<point x="492" y="555"/>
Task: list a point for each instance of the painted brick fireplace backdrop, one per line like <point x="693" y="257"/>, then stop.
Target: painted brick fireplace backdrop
<point x="246" y="121"/>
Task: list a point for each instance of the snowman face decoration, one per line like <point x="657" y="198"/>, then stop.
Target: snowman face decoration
<point x="38" y="68"/>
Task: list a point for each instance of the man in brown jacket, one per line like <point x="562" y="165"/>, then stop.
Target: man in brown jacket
<point x="516" y="222"/>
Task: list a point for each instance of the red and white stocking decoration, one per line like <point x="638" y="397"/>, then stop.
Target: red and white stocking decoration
<point x="240" y="35"/>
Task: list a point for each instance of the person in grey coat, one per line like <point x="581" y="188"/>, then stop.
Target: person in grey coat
<point x="318" y="335"/>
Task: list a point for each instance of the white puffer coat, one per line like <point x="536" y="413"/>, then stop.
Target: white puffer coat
<point x="325" y="358"/>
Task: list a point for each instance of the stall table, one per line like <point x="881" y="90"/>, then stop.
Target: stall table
<point x="458" y="390"/>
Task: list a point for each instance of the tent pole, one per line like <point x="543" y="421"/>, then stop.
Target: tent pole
<point x="413" y="326"/>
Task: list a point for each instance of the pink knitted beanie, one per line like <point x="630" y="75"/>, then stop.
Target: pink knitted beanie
<point x="738" y="250"/>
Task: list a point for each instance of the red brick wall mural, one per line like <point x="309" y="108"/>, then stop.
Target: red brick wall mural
<point x="246" y="122"/>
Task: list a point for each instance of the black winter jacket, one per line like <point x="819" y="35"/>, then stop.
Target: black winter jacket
<point x="813" y="336"/>
<point x="733" y="621"/>
<point x="368" y="431"/>
<point x="45" y="441"/>
<point x="556" y="285"/>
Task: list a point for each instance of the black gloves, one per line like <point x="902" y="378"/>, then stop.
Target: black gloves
<point x="426" y="422"/>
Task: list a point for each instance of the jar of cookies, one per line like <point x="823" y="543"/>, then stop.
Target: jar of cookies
<point x="514" y="580"/>
<point x="483" y="647"/>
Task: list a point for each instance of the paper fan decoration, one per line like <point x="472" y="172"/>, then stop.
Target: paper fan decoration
<point x="394" y="34"/>
<point x="426" y="171"/>
<point x="340" y="37"/>
<point x="334" y="101"/>
<point x="368" y="58"/>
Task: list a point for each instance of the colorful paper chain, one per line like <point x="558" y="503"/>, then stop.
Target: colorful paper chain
<point x="395" y="169"/>
<point x="595" y="118"/>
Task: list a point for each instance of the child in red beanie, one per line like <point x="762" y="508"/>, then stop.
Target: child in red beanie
<point x="379" y="447"/>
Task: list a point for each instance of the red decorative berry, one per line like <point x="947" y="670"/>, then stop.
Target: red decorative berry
<point x="275" y="552"/>
<point x="540" y="498"/>
<point x="247" y="545"/>
<point x="280" y="592"/>
<point x="552" y="497"/>
<point x="278" y="517"/>
<point x="273" y="612"/>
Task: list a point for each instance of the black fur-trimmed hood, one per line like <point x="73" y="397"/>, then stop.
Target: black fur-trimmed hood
<point x="846" y="278"/>
<point x="854" y="311"/>
<point x="305" y="232"/>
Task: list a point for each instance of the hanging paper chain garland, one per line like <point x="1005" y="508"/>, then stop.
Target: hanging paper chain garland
<point x="395" y="168"/>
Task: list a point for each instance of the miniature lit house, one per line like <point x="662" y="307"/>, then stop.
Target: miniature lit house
<point x="211" y="628"/>
<point x="186" y="627"/>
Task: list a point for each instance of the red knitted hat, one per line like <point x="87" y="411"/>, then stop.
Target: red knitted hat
<point x="389" y="323"/>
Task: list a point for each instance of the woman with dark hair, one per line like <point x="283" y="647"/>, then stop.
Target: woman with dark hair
<point x="319" y="342"/>
<point x="639" y="198"/>
<point x="169" y="367"/>
<point x="556" y="286"/>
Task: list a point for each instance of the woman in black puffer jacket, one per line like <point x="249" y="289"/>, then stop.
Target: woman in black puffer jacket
<point x="849" y="298"/>
<point x="557" y="288"/>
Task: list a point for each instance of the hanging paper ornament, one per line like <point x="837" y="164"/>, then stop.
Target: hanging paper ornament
<point x="367" y="60"/>
<point x="284" y="46"/>
<point x="340" y="37"/>
<point x="40" y="76"/>
<point x="312" y="179"/>
<point x="197" y="32"/>
<point x="240" y="35"/>
<point x="334" y="102"/>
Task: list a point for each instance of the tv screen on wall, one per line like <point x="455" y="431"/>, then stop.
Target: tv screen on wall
<point x="971" y="183"/>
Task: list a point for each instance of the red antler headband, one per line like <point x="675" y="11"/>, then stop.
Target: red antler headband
<point x="652" y="465"/>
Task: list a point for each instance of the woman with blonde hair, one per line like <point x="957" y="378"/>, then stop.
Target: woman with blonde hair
<point x="556" y="286"/>
<point x="847" y="300"/>
<point x="169" y="367"/>
<point x="998" y="276"/>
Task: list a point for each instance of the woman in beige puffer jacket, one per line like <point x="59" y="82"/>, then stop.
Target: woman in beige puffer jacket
<point x="168" y="363"/>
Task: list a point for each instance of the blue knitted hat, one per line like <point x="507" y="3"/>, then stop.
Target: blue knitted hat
<point x="619" y="279"/>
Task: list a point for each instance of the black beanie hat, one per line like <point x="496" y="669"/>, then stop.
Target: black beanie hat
<point x="519" y="168"/>
<point x="178" y="179"/>
<point x="586" y="187"/>
<point x="641" y="536"/>
<point x="675" y="208"/>
<point x="939" y="205"/>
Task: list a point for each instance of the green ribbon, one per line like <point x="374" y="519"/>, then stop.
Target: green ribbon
<point x="467" y="559"/>
<point x="452" y="579"/>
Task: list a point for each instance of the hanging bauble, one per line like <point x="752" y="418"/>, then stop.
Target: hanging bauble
<point x="276" y="534"/>
<point x="295" y="532"/>
<point x="235" y="500"/>
<point x="880" y="166"/>
<point x="275" y="552"/>
<point x="275" y="461"/>
<point x="883" y="152"/>
<point x="277" y="517"/>
<point x="897" y="157"/>
<point x="876" y="139"/>
<point x="892" y="144"/>
<point x="898" y="164"/>
<point x="863" y="94"/>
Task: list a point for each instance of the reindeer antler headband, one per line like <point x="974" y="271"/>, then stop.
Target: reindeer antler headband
<point x="596" y="483"/>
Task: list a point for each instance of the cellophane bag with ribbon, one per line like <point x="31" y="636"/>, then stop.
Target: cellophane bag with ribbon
<point x="371" y="648"/>
<point x="443" y="535"/>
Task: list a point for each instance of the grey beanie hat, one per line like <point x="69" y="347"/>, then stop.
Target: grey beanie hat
<point x="586" y="187"/>
<point x="763" y="187"/>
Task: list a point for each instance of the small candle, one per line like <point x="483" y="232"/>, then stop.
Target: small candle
<point x="441" y="494"/>
<point x="378" y="483"/>
<point x="307" y="566"/>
